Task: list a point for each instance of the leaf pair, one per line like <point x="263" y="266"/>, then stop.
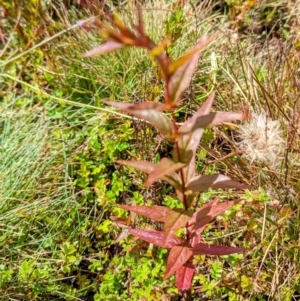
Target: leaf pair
<point x="167" y="169"/>
<point x="173" y="219"/>
<point x="182" y="252"/>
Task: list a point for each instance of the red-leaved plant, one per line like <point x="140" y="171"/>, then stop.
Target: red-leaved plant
<point x="179" y="170"/>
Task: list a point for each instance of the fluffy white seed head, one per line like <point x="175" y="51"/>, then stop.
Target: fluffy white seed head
<point x="261" y="139"/>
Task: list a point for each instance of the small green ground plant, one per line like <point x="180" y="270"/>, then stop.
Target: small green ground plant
<point x="179" y="170"/>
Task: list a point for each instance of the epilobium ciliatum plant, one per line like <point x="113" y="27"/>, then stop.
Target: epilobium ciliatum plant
<point x="178" y="170"/>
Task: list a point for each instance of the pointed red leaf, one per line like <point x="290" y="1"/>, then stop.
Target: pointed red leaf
<point x="174" y="179"/>
<point x="181" y="71"/>
<point x="210" y="249"/>
<point x="83" y="24"/>
<point x="196" y="237"/>
<point x="144" y="166"/>
<point x="186" y="58"/>
<point x="164" y="168"/>
<point x="2" y="37"/>
<point x="160" y="48"/>
<point x="184" y="276"/>
<point x="148" y="167"/>
<point x="204" y="182"/>
<point x="156" y="238"/>
<point x="188" y="143"/>
<point x="121" y="236"/>
<point x="185" y="146"/>
<point x="127" y="106"/>
<point x="178" y="256"/>
<point x="211" y="120"/>
<point x="149" y="111"/>
<point x="128" y="37"/>
<point x="202" y="111"/>
<point x="209" y="212"/>
<point x="104" y="48"/>
<point x="121" y="222"/>
<point x="140" y="26"/>
<point x="156" y="213"/>
<point x="137" y="247"/>
<point x="176" y="219"/>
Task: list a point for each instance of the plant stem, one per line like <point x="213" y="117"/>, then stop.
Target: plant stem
<point x="185" y="203"/>
<point x="187" y="295"/>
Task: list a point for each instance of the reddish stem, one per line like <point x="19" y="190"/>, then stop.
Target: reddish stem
<point x="185" y="203"/>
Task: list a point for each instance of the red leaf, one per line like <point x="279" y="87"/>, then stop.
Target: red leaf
<point x="2" y="39"/>
<point x="127" y="35"/>
<point x="140" y="26"/>
<point x="155" y="237"/>
<point x="202" y="111"/>
<point x="159" y="49"/>
<point x="83" y="24"/>
<point x="122" y="236"/>
<point x="207" y="249"/>
<point x="121" y="222"/>
<point x="174" y="180"/>
<point x="164" y="168"/>
<point x="186" y="58"/>
<point x="196" y="238"/>
<point x="144" y="166"/>
<point x="181" y="71"/>
<point x="208" y="212"/>
<point x="204" y="182"/>
<point x="148" y="167"/>
<point x="188" y="143"/>
<point x="95" y="7"/>
<point x="149" y="111"/>
<point x="211" y="120"/>
<point x="185" y="146"/>
<point x="137" y="247"/>
<point x="104" y="48"/>
<point x="178" y="256"/>
<point x="184" y="276"/>
<point x="176" y="219"/>
<point x="156" y="213"/>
